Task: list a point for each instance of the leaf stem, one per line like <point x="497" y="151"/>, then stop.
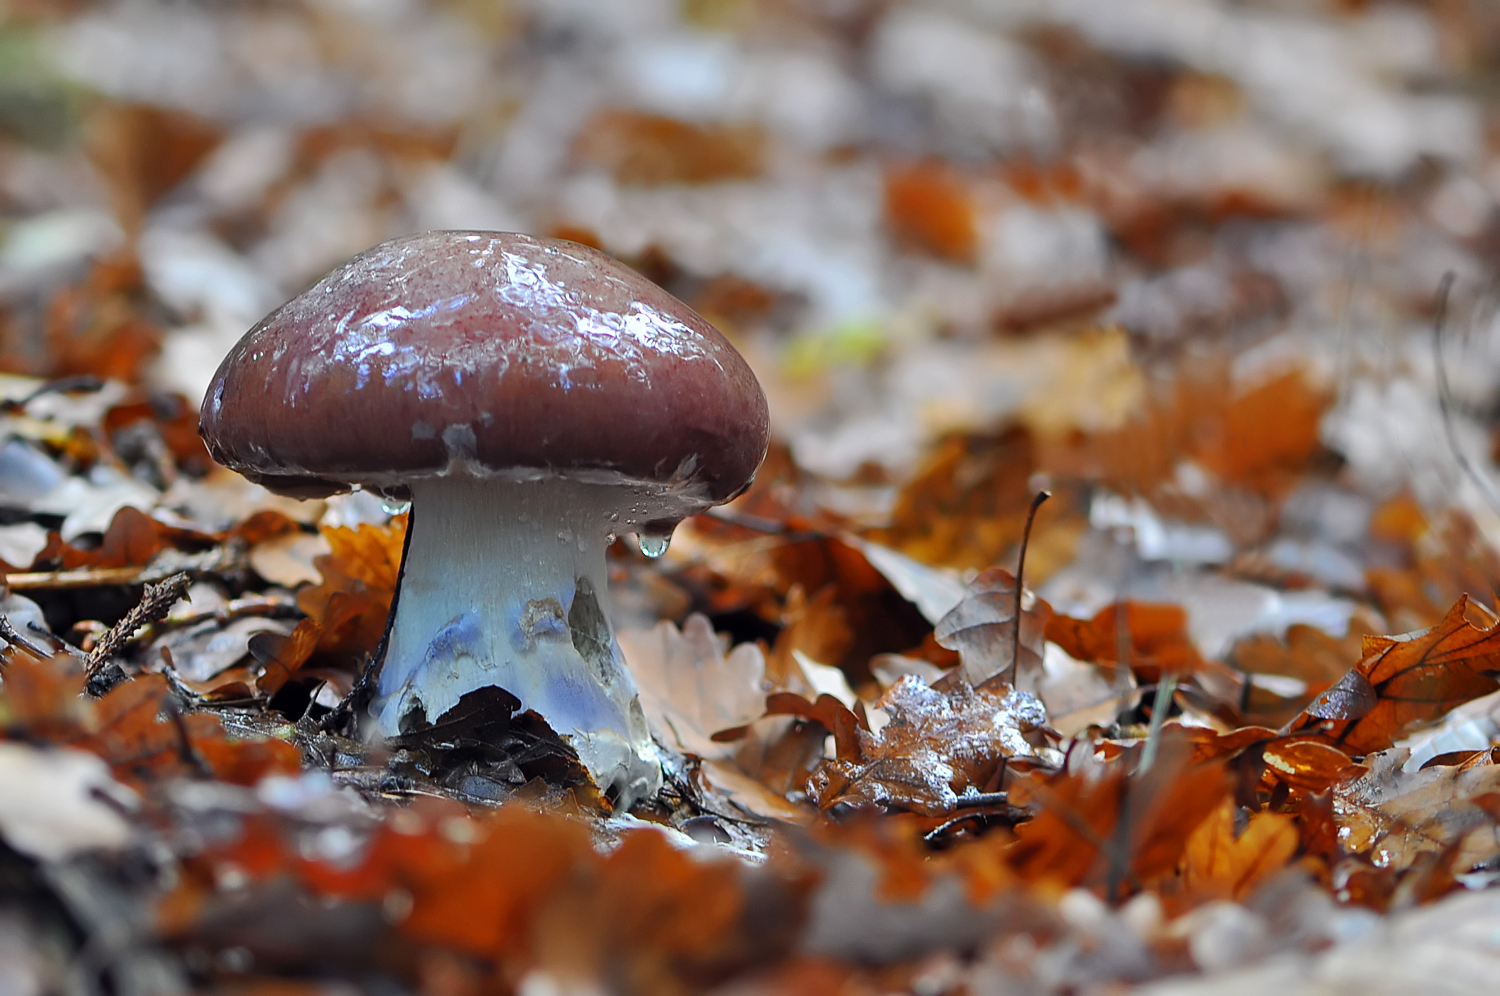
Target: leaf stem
<point x="1015" y="657"/>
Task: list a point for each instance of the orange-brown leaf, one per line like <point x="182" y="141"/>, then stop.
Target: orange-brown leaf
<point x="40" y="700"/>
<point x="1272" y="427"/>
<point x="835" y="717"/>
<point x="930" y="208"/>
<point x="1403" y="681"/>
<point x="1308" y="765"/>
<point x="1223" y="864"/>
<point x="131" y="737"/>
<point x="1154" y="636"/>
<point x="650" y="149"/>
<point x="1109" y="828"/>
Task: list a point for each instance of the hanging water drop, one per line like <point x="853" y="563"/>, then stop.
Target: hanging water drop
<point x="654" y="538"/>
<point x="393" y="506"/>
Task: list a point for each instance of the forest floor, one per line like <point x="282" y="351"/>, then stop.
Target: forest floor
<point x="1215" y="275"/>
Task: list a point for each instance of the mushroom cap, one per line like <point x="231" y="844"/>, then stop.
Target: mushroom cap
<point x="487" y="353"/>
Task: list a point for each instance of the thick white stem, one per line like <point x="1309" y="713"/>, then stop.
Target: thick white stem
<point x="505" y="585"/>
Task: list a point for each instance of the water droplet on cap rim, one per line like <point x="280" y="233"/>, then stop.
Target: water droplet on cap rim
<point x="654" y="538"/>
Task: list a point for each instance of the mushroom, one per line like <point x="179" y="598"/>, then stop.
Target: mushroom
<point x="533" y="398"/>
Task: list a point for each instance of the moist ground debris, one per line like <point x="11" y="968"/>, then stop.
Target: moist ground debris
<point x="1232" y="305"/>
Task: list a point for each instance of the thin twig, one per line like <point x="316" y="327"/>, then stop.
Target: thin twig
<point x="168" y="670"/>
<point x="1015" y="657"/>
<point x="89" y="578"/>
<point x="1482" y="481"/>
<point x="1159" y="708"/>
<point x="973" y="800"/>
<point x="11" y="635"/>
<point x="185" y="749"/>
<point x="239" y="608"/>
<point x="155" y="602"/>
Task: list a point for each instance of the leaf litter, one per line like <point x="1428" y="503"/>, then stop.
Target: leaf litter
<point x="1240" y="733"/>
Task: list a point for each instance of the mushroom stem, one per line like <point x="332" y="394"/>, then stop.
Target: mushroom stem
<point x="504" y="584"/>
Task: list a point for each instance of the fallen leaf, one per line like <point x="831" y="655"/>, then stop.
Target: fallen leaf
<point x="692" y="686"/>
<point x="1405" y="680"/>
<point x="928" y="207"/>
<point x="289" y="559"/>
<point x="1395" y="816"/>
<point x="651" y="150"/>
<point x="751" y="795"/>
<point x="1222" y="862"/>
<point x="1265" y="433"/>
<point x="1152" y="637"/>
<point x="1307" y="765"/>
<point x="42" y="700"/>
<point x="347" y="610"/>
<point x="937" y="746"/>
<point x="1104" y="826"/>
<point x="982" y="628"/>
<point x="933" y="590"/>
<point x="60" y="802"/>
<point x="966" y="505"/>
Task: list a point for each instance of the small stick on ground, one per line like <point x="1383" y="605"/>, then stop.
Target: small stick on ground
<point x="154" y="605"/>
<point x="239" y="608"/>
<point x="11" y="635"/>
<point x="1165" y="686"/>
<point x="88" y="578"/>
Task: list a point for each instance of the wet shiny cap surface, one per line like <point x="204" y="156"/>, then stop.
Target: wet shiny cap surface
<point x="486" y="353"/>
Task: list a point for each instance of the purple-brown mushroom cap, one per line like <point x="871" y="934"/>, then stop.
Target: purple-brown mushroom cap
<point x="486" y="353"/>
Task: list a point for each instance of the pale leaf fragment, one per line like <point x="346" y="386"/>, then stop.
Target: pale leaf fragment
<point x="57" y="802"/>
<point x="691" y="684"/>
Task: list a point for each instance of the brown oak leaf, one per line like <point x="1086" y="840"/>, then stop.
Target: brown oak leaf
<point x="1405" y="680"/>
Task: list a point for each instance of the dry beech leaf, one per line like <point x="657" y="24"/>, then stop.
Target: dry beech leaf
<point x="650" y="919"/>
<point x="1308" y="765"/>
<point x="289" y="559"/>
<point x="650" y="149"/>
<point x="529" y="890"/>
<point x="134" y="728"/>
<point x="930" y="208"/>
<point x="1257" y="437"/>
<point x="1222" y="863"/>
<point x="1099" y="824"/>
<point x="132" y="539"/>
<point x="690" y="687"/>
<point x="1397" y="816"/>
<point x="933" y="590"/>
<point x="966" y="505"/>
<point x="1305" y="654"/>
<point x="938" y="745"/>
<point x="473" y="883"/>
<point x="346" y="612"/>
<point x="828" y="712"/>
<point x="1405" y="680"/>
<point x="42" y="700"/>
<point x="982" y="628"/>
<point x="750" y="794"/>
<point x="203" y="651"/>
<point x="1155" y="636"/>
<point x="1267" y="431"/>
